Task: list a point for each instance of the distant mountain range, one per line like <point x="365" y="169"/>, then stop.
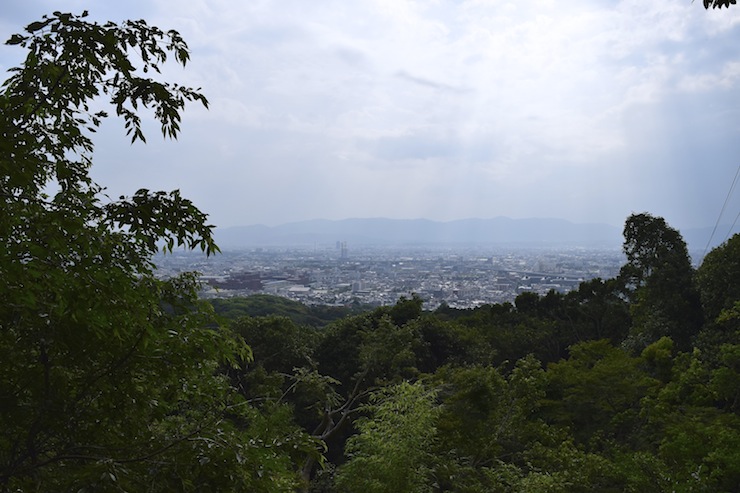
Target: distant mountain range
<point x="400" y="232"/>
<point x="378" y="231"/>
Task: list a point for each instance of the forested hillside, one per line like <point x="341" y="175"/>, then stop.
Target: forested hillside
<point x="265" y="304"/>
<point x="112" y="379"/>
<point x="628" y="384"/>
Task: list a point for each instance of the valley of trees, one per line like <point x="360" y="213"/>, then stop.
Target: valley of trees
<point x="114" y="380"/>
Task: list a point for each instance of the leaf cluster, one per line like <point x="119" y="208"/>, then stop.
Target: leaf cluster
<point x="112" y="378"/>
<point x="547" y="394"/>
<point x="719" y="3"/>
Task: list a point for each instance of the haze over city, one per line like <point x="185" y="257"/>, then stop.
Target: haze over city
<point x="585" y="110"/>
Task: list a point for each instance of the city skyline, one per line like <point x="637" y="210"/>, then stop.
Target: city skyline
<point x="462" y="277"/>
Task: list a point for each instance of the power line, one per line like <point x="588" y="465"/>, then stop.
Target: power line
<point x="724" y="206"/>
<point x="732" y="227"/>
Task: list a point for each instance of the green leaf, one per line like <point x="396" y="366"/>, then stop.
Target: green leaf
<point x="15" y="39"/>
<point x="112" y="374"/>
<point x="38" y="25"/>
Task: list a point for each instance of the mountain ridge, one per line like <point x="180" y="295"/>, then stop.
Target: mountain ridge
<point x="383" y="231"/>
<point x="500" y="230"/>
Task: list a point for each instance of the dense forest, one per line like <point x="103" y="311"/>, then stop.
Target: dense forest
<point x="627" y="384"/>
<point x="112" y="379"/>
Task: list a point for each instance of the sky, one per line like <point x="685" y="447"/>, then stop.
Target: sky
<point x="585" y="110"/>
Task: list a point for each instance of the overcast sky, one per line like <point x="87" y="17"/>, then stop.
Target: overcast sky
<point x="585" y="110"/>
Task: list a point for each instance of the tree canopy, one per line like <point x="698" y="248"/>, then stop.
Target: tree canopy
<point x="113" y="379"/>
<point x="719" y="3"/>
<point x="661" y="281"/>
<point x="110" y="376"/>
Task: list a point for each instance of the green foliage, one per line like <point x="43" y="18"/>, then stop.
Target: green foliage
<point x="370" y="347"/>
<point x="260" y="305"/>
<point x="658" y="357"/>
<point x="547" y="325"/>
<point x="650" y="245"/>
<point x="718" y="278"/>
<point x="338" y="352"/>
<point x="387" y="351"/>
<point x="504" y="334"/>
<point x="694" y="419"/>
<point x="391" y="451"/>
<point x="358" y="354"/>
<point x="561" y="466"/>
<point x="477" y="412"/>
<point x="600" y="419"/>
<point x="599" y="310"/>
<point x="527" y="302"/>
<point x="665" y="300"/>
<point x="283" y="370"/>
<point x="448" y="343"/>
<point x="487" y="421"/>
<point x="597" y="392"/>
<point x="406" y="310"/>
<point x="114" y="379"/>
<point x="46" y="103"/>
<point x="277" y="343"/>
<point x="110" y="376"/>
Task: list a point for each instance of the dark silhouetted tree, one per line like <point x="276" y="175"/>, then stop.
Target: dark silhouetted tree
<point x="718" y="3"/>
<point x="660" y="278"/>
<point x="718" y="278"/>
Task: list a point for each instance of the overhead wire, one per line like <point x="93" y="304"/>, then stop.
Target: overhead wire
<point x="732" y="227"/>
<point x="724" y="206"/>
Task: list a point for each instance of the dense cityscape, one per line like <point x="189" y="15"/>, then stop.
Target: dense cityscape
<point x="460" y="277"/>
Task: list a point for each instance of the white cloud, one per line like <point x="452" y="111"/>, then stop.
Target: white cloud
<point x="446" y="108"/>
<point x="727" y="78"/>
